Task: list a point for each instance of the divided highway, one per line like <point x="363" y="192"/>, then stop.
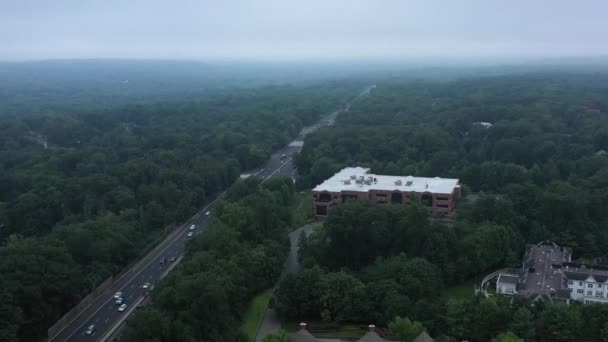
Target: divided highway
<point x="104" y="313"/>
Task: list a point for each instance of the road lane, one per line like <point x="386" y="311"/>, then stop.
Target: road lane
<point x="104" y="312"/>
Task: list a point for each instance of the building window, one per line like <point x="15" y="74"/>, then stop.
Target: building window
<point x="599" y="293"/>
<point x="589" y="293"/>
<point x="590" y="286"/>
<point x="580" y="283"/>
<point x="396" y="198"/>
<point x="380" y="195"/>
<point x="442" y="198"/>
<point x="580" y="291"/>
<point x="570" y="282"/>
<point x="599" y="286"/>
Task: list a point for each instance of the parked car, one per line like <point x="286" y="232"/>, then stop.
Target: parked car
<point x="190" y="234"/>
<point x="208" y="213"/>
<point x="118" y="295"/>
<point x="163" y="260"/>
<point x="122" y="307"/>
<point x="145" y="285"/>
<point x="192" y="227"/>
<point x="119" y="300"/>
<point x="172" y="259"/>
<point x="90" y="330"/>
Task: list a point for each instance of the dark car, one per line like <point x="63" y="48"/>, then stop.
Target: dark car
<point x="172" y="259"/>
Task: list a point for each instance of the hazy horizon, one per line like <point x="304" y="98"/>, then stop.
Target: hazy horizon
<point x="314" y="30"/>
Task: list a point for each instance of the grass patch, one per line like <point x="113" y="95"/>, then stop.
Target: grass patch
<point x="463" y="290"/>
<point x="302" y="210"/>
<point x="307" y="130"/>
<point x="255" y="313"/>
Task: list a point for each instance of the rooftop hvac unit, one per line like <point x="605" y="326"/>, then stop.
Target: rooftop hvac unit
<point x="368" y="182"/>
<point x="398" y="182"/>
<point x="409" y="183"/>
<point x="359" y="181"/>
<point x="347" y="182"/>
<point x="353" y="176"/>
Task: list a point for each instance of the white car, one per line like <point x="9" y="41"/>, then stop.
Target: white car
<point x="119" y="301"/>
<point x="190" y="234"/>
<point x="208" y="213"/>
<point x="122" y="307"/>
<point x="90" y="330"/>
<point x="145" y="285"/>
<point x="118" y="295"/>
<point x="192" y="227"/>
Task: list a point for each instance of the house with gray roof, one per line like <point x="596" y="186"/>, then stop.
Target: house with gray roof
<point x="303" y="335"/>
<point x="547" y="273"/>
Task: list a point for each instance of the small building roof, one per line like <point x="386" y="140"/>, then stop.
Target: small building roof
<point x="371" y="336"/>
<point x="423" y="337"/>
<point x="506" y="278"/>
<point x="358" y="179"/>
<point x="302" y="336"/>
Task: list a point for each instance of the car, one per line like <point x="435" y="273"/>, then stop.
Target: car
<point x="172" y="259"/>
<point x="122" y="307"/>
<point x="118" y="295"/>
<point x="90" y="330"/>
<point x="207" y="213"/>
<point x="145" y="285"/>
<point x="119" y="300"/>
<point x="192" y="227"/>
<point x="190" y="234"/>
<point x="163" y="260"/>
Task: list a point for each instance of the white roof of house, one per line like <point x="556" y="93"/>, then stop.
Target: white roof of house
<point x="349" y="179"/>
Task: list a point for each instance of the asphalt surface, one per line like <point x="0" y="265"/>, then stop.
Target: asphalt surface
<point x="271" y="322"/>
<point x="103" y="312"/>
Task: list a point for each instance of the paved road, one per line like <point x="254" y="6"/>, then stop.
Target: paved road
<point x="271" y="321"/>
<point x="103" y="312"/>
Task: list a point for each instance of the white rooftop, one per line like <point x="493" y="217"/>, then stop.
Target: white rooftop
<point x="349" y="179"/>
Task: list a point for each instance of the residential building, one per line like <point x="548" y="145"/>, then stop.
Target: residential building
<point x="371" y="335"/>
<point x="587" y="283"/>
<point x="547" y="273"/>
<point x="506" y="283"/>
<point x="356" y="183"/>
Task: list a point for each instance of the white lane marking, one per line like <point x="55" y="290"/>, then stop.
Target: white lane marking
<point x="175" y="238"/>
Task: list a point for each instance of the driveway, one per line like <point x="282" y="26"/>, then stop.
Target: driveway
<point x="271" y="321"/>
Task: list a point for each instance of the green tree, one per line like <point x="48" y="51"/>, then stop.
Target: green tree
<point x="507" y="337"/>
<point x="279" y="336"/>
<point x="404" y="329"/>
<point x="562" y="322"/>
<point x="523" y="325"/>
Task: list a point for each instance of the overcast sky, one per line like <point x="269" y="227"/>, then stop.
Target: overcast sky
<point x="259" y="29"/>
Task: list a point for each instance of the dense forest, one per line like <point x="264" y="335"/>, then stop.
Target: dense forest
<point x="85" y="192"/>
<point x="539" y="172"/>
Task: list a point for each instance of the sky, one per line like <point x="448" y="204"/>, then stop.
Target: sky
<point x="306" y="29"/>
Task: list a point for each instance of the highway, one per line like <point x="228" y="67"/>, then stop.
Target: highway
<point x="103" y="312"/>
